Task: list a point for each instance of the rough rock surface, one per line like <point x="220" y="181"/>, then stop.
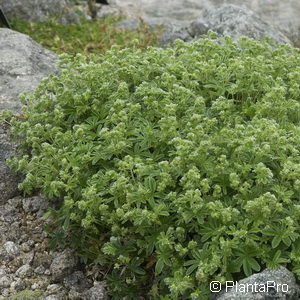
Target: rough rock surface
<point x="273" y="284"/>
<point x="186" y="33"/>
<point x="40" y="10"/>
<point x="62" y="265"/>
<point x="285" y="14"/>
<point x="23" y="63"/>
<point x="26" y="263"/>
<point x="229" y="20"/>
<point x="235" y="21"/>
<point x="282" y="15"/>
<point x="8" y="179"/>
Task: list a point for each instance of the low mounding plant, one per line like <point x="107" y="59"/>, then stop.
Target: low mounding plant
<point x="174" y="166"/>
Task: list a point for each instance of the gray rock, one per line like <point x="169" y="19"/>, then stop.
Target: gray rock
<point x="197" y="28"/>
<point x="282" y="13"/>
<point x="27" y="258"/>
<point x="183" y="31"/>
<point x="18" y="284"/>
<point x="40" y="270"/>
<point x="228" y="20"/>
<point x="63" y="264"/>
<point x="35" y="286"/>
<point x="74" y="295"/>
<point x="40" y="10"/>
<point x="23" y="63"/>
<point x="172" y="9"/>
<point x="15" y="202"/>
<point x="54" y="288"/>
<point x="2" y="270"/>
<point x="11" y="230"/>
<point x="41" y="259"/>
<point x="35" y="204"/>
<point x="8" y="179"/>
<point x="5" y="281"/>
<point x="55" y="297"/>
<point x="11" y="249"/>
<point x="9" y="215"/>
<point x="27" y="246"/>
<point x="174" y="32"/>
<point x="31" y="204"/>
<point x="97" y="292"/>
<point x="76" y="280"/>
<point x="235" y="21"/>
<point x="269" y="284"/>
<point x="24" y="271"/>
<point x="40" y="284"/>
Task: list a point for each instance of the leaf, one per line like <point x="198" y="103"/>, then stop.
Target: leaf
<point x="150" y="184"/>
<point x="100" y="126"/>
<point x="95" y="160"/>
<point x="191" y="269"/>
<point x="159" y="266"/>
<point x="149" y="248"/>
<point x="66" y="224"/>
<point x="234" y="267"/>
<point x="296" y="270"/>
<point x="247" y="268"/>
<point x="276" y="241"/>
<point x="277" y="255"/>
<point x="254" y="264"/>
<point x="139" y="271"/>
<point x="287" y="241"/>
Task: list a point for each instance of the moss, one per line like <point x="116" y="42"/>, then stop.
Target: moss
<point x="90" y="36"/>
<point x="27" y="295"/>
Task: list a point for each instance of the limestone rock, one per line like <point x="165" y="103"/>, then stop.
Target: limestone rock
<point x="23" y="63"/>
<point x="76" y="279"/>
<point x="27" y="267"/>
<point x="97" y="292"/>
<point x="54" y="297"/>
<point x="5" y="281"/>
<point x="228" y="20"/>
<point x="40" y="10"/>
<point x="185" y="32"/>
<point x="63" y="264"/>
<point x="18" y="285"/>
<point x="197" y="28"/>
<point x="174" y="32"/>
<point x="35" y="204"/>
<point x="24" y="271"/>
<point x="284" y="283"/>
<point x="11" y="248"/>
<point x="236" y="21"/>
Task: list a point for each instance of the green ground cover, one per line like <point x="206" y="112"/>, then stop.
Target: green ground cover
<point x="174" y="166"/>
<point x="27" y="295"/>
<point x="90" y="36"/>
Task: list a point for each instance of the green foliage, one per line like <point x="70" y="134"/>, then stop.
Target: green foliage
<point x="27" y="295"/>
<point x="175" y="166"/>
<point x="94" y="36"/>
